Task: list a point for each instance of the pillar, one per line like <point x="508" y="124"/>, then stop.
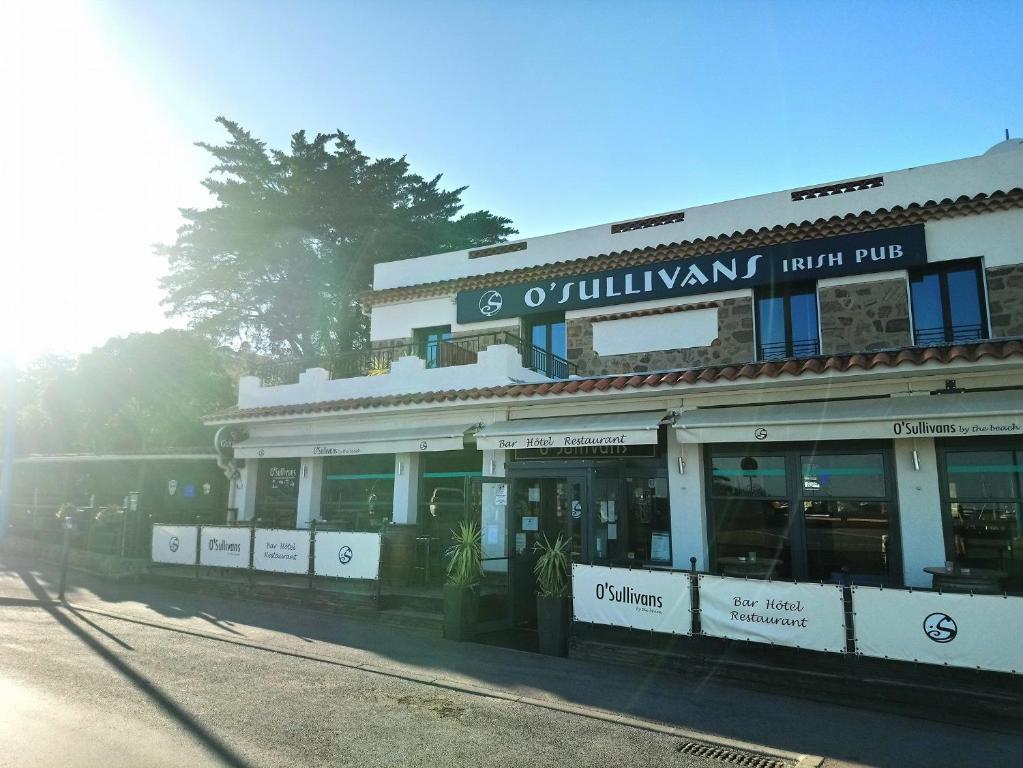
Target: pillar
<point x="245" y="490"/>
<point x="921" y="532"/>
<point x="688" y="499"/>
<point x="406" y="488"/>
<point x="310" y="489"/>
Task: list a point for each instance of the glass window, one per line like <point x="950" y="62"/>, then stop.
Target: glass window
<point x="277" y="492"/>
<point x="752" y="537"/>
<point x="847" y="537"/>
<point x="948" y="303"/>
<point x="548" y="336"/>
<point x="430" y="344"/>
<point x="749" y="476"/>
<point x="648" y="519"/>
<point x="787" y="322"/>
<point x="984" y="494"/>
<point x="358" y="492"/>
<point x="848" y="476"/>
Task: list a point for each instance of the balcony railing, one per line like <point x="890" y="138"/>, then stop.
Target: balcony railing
<point x="924" y="337"/>
<point x="437" y="354"/>
<point x="782" y="349"/>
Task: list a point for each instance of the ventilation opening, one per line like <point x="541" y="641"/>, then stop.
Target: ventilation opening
<point x="839" y="189"/>
<point x="652" y="221"/>
<point x="496" y="250"/>
<point x="730" y="756"/>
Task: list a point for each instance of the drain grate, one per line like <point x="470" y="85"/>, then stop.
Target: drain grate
<point x="730" y="756"/>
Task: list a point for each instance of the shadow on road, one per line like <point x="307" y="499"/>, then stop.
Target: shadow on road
<point x="226" y="755"/>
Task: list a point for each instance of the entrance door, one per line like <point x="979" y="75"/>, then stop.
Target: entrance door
<point x="544" y="505"/>
<point x="487" y="502"/>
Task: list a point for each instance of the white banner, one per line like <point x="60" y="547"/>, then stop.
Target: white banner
<point x="978" y="631"/>
<point x="175" y="544"/>
<point x="652" y="600"/>
<point x="347" y="555"/>
<point x="799" y="615"/>
<point x="224" y="547"/>
<point x="281" y="550"/>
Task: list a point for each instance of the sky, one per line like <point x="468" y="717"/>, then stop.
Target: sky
<point x="556" y="114"/>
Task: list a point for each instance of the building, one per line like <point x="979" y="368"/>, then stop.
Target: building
<point x="815" y="384"/>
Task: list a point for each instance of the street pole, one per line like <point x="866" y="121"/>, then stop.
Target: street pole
<point x="10" y="426"/>
<point x="68" y="522"/>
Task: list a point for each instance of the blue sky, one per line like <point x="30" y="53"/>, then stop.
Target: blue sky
<point x="558" y="115"/>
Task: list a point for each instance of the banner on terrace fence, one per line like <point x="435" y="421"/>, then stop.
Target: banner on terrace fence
<point x="347" y="555"/>
<point x="978" y="631"/>
<point x="799" y="615"/>
<point x="283" y="551"/>
<point x="660" y="601"/>
<point x="224" y="547"/>
<point x="174" y="544"/>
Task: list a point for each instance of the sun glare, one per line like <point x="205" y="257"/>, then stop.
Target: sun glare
<point x="99" y="172"/>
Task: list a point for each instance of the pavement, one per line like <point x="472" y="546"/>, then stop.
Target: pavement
<point x="134" y="675"/>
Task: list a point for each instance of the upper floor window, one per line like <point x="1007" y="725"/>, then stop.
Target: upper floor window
<point x="429" y="343"/>
<point x="948" y="303"/>
<point x="787" y="322"/>
<point x="547" y="337"/>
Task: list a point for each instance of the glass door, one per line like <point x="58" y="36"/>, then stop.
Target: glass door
<point x="487" y="503"/>
<point x="542" y="506"/>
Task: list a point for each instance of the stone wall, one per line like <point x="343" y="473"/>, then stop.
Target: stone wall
<point x="1005" y="298"/>
<point x="860" y="317"/>
<point x="734" y="344"/>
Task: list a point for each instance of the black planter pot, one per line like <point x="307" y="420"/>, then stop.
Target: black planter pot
<point x="460" y="610"/>
<point x="552" y="624"/>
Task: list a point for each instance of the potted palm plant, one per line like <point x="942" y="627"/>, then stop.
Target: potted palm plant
<point x="553" y="604"/>
<point x="461" y="595"/>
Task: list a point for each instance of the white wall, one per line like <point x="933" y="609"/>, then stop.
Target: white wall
<point x="921" y="534"/>
<point x="969" y="176"/>
<point x="998" y="237"/>
<point x="406" y="488"/>
<point x="310" y="490"/>
<point x="689" y="529"/>
<point x="245" y="490"/>
<point x="692" y="328"/>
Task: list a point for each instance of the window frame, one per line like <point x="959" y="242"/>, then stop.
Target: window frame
<point x="422" y="343"/>
<point x="785" y="293"/>
<point x="941" y="269"/>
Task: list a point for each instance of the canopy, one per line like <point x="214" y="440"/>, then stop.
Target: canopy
<point x="368" y="440"/>
<point x="939" y="415"/>
<point x="605" y="429"/>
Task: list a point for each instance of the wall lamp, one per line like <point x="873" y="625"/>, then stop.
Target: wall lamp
<point x="681" y="465"/>
<point x="916" y="460"/>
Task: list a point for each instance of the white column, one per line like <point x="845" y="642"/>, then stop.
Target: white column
<point x="686" y="492"/>
<point x="310" y="488"/>
<point x="493" y="463"/>
<point x="920" y="529"/>
<point x="406" y="488"/>
<point x="245" y="490"/>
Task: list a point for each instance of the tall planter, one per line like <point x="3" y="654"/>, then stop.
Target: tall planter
<point x="461" y="607"/>
<point x="553" y="619"/>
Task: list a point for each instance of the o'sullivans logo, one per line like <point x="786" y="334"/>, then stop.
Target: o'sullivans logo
<point x="173" y="544"/>
<point x="922" y="428"/>
<point x="941" y="628"/>
<point x="491" y="303"/>
<point x="627" y="595"/>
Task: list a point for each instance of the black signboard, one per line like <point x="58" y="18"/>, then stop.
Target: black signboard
<point x="586" y="452"/>
<point x="807" y="260"/>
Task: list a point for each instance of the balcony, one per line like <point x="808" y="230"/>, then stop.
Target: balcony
<point x="464" y="350"/>
<point x="953" y="334"/>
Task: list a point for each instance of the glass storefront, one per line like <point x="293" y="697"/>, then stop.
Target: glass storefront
<point x="982" y="496"/>
<point x="818" y="514"/>
<point x="358" y="492"/>
<point x="277" y="492"/>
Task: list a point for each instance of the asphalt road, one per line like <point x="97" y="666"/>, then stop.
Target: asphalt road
<point x="136" y="676"/>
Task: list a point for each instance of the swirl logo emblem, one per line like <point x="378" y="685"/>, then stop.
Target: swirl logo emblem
<point x="491" y="303"/>
<point x="173" y="544"/>
<point x="941" y="628"/>
<point x="344" y="555"/>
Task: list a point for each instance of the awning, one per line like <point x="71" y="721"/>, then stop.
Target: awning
<point x="943" y="415"/>
<point x="607" y="429"/>
<point x="367" y="441"/>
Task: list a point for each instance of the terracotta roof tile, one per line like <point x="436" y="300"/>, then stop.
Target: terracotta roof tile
<point x="997" y="350"/>
<point x="882" y="218"/>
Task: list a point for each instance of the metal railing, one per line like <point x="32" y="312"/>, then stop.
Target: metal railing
<point x="953" y="334"/>
<point x="796" y="348"/>
<point x="463" y="350"/>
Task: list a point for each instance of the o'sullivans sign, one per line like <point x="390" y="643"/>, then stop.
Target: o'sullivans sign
<point x="652" y="600"/>
<point x="862" y="253"/>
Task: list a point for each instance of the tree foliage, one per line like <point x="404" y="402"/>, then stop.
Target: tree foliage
<point x="282" y="257"/>
<point x="144" y="392"/>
